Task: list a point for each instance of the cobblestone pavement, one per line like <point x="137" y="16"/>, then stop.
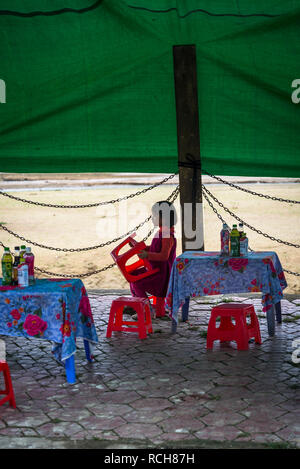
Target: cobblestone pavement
<point x="167" y="391"/>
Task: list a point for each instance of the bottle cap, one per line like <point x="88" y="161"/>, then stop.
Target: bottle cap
<point x="28" y="249"/>
<point x="23" y="247"/>
<point x="6" y="249"/>
<point x="17" y="247"/>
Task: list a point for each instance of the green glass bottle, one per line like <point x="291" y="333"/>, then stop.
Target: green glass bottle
<point x="234" y="242"/>
<point x="7" y="263"/>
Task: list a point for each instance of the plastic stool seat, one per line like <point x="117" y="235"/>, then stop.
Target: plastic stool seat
<point x="8" y="391"/>
<point x="240" y="332"/>
<point x="142" y="325"/>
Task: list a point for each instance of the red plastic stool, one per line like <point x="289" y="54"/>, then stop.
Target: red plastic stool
<point x="143" y="324"/>
<point x="121" y="260"/>
<point x="241" y="332"/>
<point x="8" y="391"/>
<point x="159" y="305"/>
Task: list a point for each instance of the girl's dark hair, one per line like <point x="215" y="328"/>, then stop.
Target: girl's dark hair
<point x="166" y="212"/>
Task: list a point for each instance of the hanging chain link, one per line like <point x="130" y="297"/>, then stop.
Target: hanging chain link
<point x="98" y="204"/>
<point x="33" y="243"/>
<point x="223" y="221"/>
<point x="246" y="224"/>
<point x="279" y="199"/>
<point x="172" y="197"/>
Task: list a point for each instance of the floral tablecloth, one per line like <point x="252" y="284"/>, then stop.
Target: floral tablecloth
<point x="53" y="309"/>
<point x="197" y="273"/>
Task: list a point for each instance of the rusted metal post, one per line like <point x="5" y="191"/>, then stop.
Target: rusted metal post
<point x="188" y="143"/>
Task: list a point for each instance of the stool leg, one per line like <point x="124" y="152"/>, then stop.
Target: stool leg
<point x="255" y="322"/>
<point x="9" y="387"/>
<point x="70" y="369"/>
<point x="110" y="321"/>
<point x="148" y="319"/>
<point x="141" y="322"/>
<point x="118" y="323"/>
<point x="210" y="332"/>
<point x="242" y="336"/>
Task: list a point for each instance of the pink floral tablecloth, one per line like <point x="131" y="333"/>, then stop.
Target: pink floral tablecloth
<point x="197" y="273"/>
<point x="53" y="309"/>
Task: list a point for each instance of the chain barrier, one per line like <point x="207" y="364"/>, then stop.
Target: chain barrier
<point x="249" y="226"/>
<point x="142" y="191"/>
<point x="231" y="184"/>
<point x="172" y="197"/>
<point x="33" y="243"/>
<point x="236" y="217"/>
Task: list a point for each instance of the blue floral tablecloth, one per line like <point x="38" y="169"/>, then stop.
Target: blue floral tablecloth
<point x="197" y="273"/>
<point x="53" y="309"/>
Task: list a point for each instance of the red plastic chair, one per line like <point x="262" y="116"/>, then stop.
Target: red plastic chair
<point x="8" y="391"/>
<point x="122" y="259"/>
<point x="240" y="332"/>
<point x="142" y="325"/>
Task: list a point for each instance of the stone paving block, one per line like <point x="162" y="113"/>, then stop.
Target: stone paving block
<point x="107" y="410"/>
<point x="27" y="420"/>
<point x="145" y="416"/>
<point x="268" y="425"/>
<point x="222" y="418"/>
<point x="152" y="404"/>
<point x="225" y="433"/>
<point x="119" y="397"/>
<point x="59" y="429"/>
<point x="166" y="388"/>
<point x="289" y="434"/>
<point x="171" y="437"/>
<point x="97" y="423"/>
<point x="181" y="424"/>
<point x="138" y="430"/>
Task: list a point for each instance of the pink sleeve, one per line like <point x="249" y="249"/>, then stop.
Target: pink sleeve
<point x="163" y="255"/>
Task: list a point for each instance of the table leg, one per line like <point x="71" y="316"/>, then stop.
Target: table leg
<point x="87" y="350"/>
<point x="271" y="321"/>
<point x="70" y="369"/>
<point x="185" y="309"/>
<point x="278" y="312"/>
<point x="174" y="326"/>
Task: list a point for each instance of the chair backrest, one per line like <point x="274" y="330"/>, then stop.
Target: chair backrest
<point x="121" y="260"/>
<point x="2" y="351"/>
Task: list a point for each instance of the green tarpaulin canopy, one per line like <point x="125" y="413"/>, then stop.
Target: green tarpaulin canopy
<point x="89" y="85"/>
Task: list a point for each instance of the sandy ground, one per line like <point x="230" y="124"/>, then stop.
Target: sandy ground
<point x="79" y="228"/>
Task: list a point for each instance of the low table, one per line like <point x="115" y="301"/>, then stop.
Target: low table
<point x="52" y="309"/>
<point x="200" y="273"/>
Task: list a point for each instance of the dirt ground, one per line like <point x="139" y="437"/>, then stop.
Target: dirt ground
<point x="88" y="227"/>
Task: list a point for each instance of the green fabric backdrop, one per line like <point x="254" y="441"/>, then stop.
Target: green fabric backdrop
<point x="94" y="90"/>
